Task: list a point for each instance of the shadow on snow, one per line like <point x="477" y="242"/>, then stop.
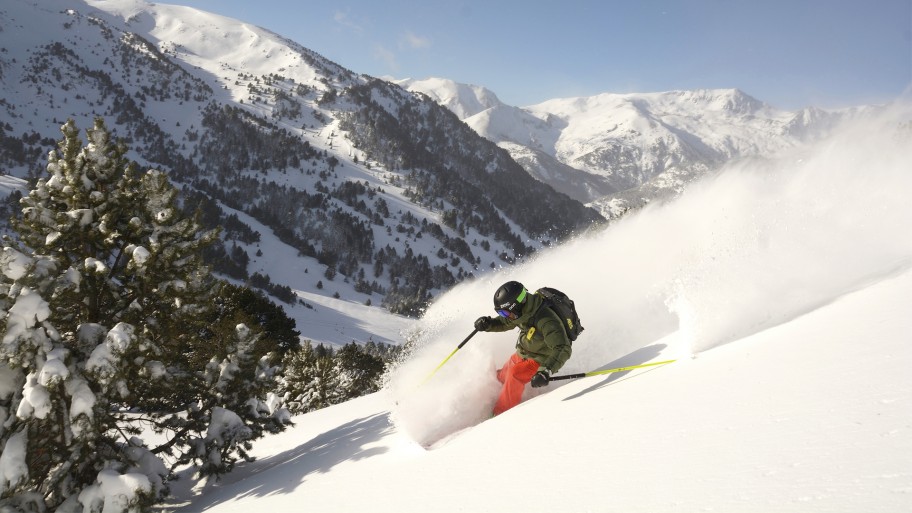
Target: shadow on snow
<point x="318" y="455"/>
<point x="640" y="356"/>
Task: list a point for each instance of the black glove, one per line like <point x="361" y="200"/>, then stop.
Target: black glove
<point x="541" y="378"/>
<point x="483" y="323"/>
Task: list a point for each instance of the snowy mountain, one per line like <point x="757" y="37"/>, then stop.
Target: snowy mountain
<point x="782" y="288"/>
<point x="339" y="193"/>
<point x="463" y="99"/>
<point x="617" y="151"/>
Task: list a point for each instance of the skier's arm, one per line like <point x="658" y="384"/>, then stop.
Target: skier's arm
<point x="557" y="341"/>
<point x="494" y="324"/>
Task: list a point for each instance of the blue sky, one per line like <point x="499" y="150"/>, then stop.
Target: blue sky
<point x="788" y="53"/>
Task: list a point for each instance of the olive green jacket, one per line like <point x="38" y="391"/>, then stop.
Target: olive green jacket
<point x="545" y="341"/>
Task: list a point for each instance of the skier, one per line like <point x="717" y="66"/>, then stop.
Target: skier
<point x="542" y="347"/>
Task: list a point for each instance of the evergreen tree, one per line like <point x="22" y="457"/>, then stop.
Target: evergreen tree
<point x="311" y="379"/>
<point x="359" y="371"/>
<point x="325" y="389"/>
<point x="228" y="379"/>
<point x="298" y="371"/>
<point x="279" y="333"/>
<point x="107" y="328"/>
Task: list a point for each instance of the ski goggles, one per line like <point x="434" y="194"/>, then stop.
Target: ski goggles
<point x="506" y="313"/>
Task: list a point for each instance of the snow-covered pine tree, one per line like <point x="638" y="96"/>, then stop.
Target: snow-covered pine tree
<point x="359" y="371"/>
<point x="297" y="373"/>
<point x="107" y="335"/>
<point x="52" y="438"/>
<point x="230" y="431"/>
<point x="310" y="379"/>
<point x="325" y="389"/>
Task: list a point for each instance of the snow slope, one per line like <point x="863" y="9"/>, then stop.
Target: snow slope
<point x="783" y="289"/>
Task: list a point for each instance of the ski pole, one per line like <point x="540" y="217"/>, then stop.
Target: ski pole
<point x="606" y="371"/>
<point x="450" y="356"/>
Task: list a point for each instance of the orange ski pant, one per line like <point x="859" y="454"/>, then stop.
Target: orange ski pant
<point x="514" y="375"/>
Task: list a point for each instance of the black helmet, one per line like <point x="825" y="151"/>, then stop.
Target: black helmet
<point x="509" y="298"/>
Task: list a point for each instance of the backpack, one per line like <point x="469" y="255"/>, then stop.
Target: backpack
<point x="563" y="306"/>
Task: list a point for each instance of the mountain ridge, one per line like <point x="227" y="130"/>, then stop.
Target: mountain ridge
<point x="616" y="151"/>
<point x="259" y="124"/>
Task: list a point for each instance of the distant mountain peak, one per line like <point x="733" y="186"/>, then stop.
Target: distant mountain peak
<point x="734" y="101"/>
<point x="464" y="100"/>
